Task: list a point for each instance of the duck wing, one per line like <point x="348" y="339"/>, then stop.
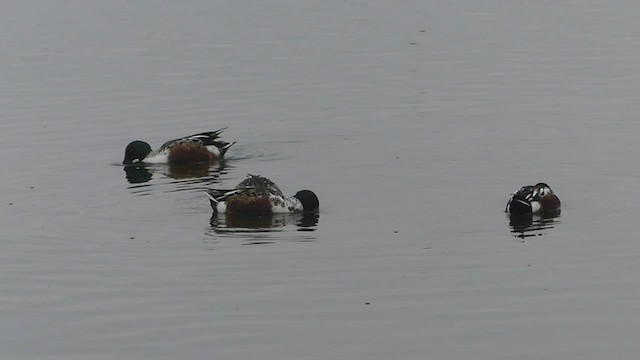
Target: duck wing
<point x="205" y="139"/>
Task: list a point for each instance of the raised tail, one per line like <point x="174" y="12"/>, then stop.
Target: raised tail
<point x="225" y="146"/>
<point x="212" y="197"/>
<point x="217" y="197"/>
<point x="212" y="200"/>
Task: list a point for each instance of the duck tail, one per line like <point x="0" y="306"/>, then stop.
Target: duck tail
<point x="214" y="202"/>
<point x="225" y="147"/>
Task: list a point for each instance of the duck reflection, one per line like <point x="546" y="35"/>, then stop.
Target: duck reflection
<point x="226" y="223"/>
<point x="137" y="174"/>
<point x="142" y="173"/>
<point x="191" y="171"/>
<point x="529" y="225"/>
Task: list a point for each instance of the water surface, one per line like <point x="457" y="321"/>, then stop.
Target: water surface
<point x="413" y="123"/>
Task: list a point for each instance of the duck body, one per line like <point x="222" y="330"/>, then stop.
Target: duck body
<point x="197" y="148"/>
<point x="259" y="195"/>
<point x="533" y="199"/>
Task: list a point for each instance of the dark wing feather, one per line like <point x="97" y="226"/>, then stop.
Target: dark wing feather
<point x="527" y="193"/>
<point x="205" y="139"/>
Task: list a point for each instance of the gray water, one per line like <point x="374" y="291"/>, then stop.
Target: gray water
<point x="413" y="121"/>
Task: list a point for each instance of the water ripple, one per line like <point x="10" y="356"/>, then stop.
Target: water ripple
<point x="176" y="178"/>
<point x="264" y="228"/>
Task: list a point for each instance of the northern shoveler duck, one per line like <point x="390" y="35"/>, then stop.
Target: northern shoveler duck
<point x="533" y="199"/>
<point x="257" y="194"/>
<point x="203" y="147"/>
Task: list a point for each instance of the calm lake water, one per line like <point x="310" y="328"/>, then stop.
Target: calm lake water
<point x="413" y="122"/>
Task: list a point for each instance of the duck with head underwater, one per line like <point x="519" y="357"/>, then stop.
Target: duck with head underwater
<point x="199" y="148"/>
<point x="533" y="199"/>
<point x="259" y="195"/>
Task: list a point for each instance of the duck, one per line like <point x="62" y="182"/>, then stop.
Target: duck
<point x="533" y="199"/>
<point x="197" y="148"/>
<point x="258" y="195"/>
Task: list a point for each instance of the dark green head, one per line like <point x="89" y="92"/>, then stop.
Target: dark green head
<point x="136" y="150"/>
<point x="308" y="199"/>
